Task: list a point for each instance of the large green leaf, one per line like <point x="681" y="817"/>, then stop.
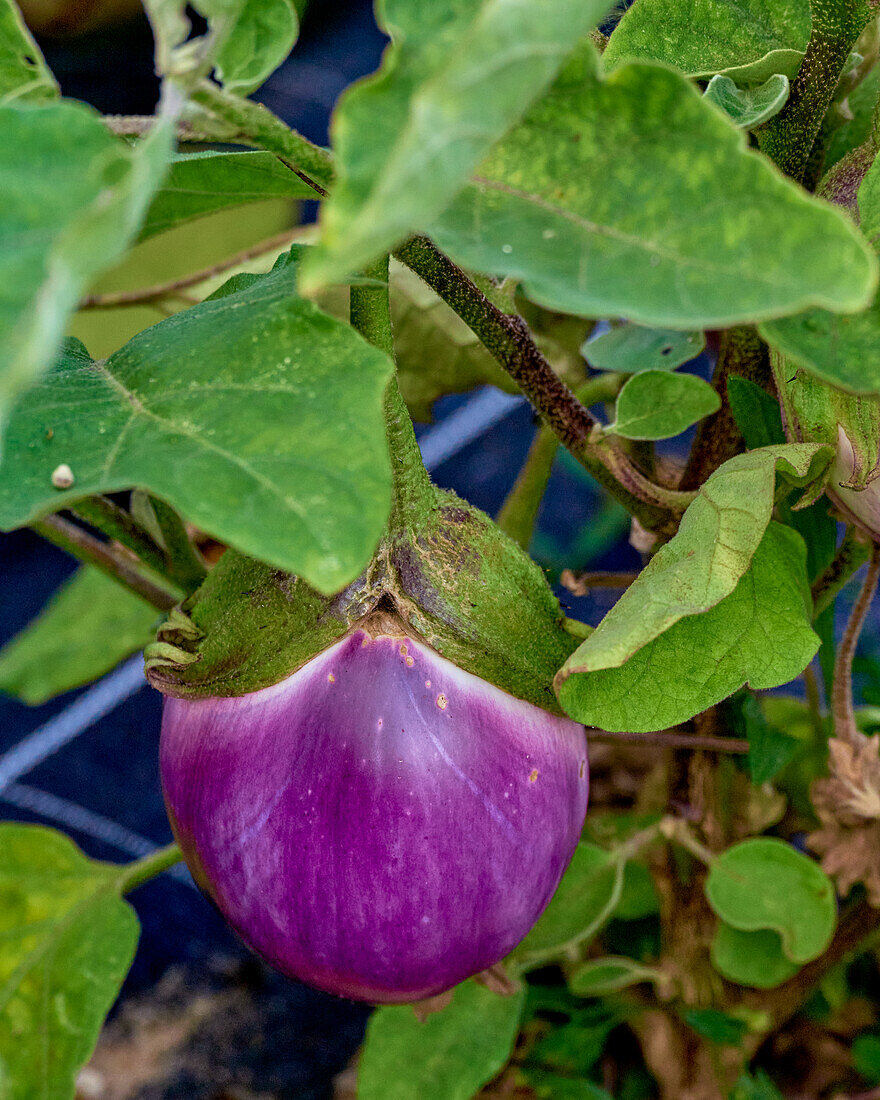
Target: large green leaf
<point x="73" y="199"/>
<point x="765" y="883"/>
<point x="459" y="73"/>
<point x="255" y="415"/>
<point x="449" y="1056"/>
<point x="201" y="183"/>
<point x="23" y="72"/>
<point x="748" y="39"/>
<point x="702" y="564"/>
<point x="632" y="196"/>
<point x="658" y="404"/>
<point x="87" y="628"/>
<point x="759" y="635"/>
<point x="66" y="942"/>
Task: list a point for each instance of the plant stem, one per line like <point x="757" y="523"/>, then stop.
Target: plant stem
<point x="693" y="741"/>
<point x="508" y="339"/>
<point x="851" y="555"/>
<point x="412" y="494"/>
<point x="107" y="517"/>
<point x="788" y="138"/>
<point x="142" y="870"/>
<point x="579" y="584"/>
<point x="109" y="560"/>
<point x="186" y="566"/>
<point x="842" y="708"/>
<point x="187" y="132"/>
<point x="149" y="294"/>
<point x="518" y="513"/>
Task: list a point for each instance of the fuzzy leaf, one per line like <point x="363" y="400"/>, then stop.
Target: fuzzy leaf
<point x="759" y="635"/>
<point x="658" y="405"/>
<point x="66" y="942"/>
<point x="598" y="202"/>
<point x="633" y="348"/>
<point x="764" y="883"/>
<point x="702" y="564"/>
<point x="747" y="39"/>
<point x="201" y="183"/>
<point x="89" y="626"/>
<point x="253" y="414"/>
<point x="458" y="74"/>
<point x="448" y="1056"/>
<point x="23" y="72"/>
<point x="751" y="958"/>
<point x="73" y="199"/>
<point x="749" y="107"/>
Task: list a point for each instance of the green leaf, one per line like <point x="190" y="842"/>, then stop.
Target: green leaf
<point x="23" y="72"/>
<point x="770" y="749"/>
<point x="638" y="898"/>
<point x="717" y="1027"/>
<point x="702" y="564"/>
<point x="553" y="1086"/>
<point x="851" y="132"/>
<point x="584" y="900"/>
<point x="751" y="958"/>
<point x="201" y="183"/>
<point x="633" y="348"/>
<point x="866" y="1056"/>
<point x="66" y="942"/>
<point x="256" y="416"/>
<point x="597" y="201"/>
<point x="610" y="974"/>
<point x="760" y="634"/>
<point x="764" y="883"/>
<point x="657" y="405"/>
<point x="757" y="1087"/>
<point x="458" y="74"/>
<point x="748" y="39"/>
<point x="448" y="1057"/>
<point x="73" y="199"/>
<point x="869" y="203"/>
<point x="89" y="626"/>
<point x="756" y="413"/>
<point x="748" y="107"/>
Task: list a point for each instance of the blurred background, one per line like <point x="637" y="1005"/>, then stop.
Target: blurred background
<point x="199" y="1017"/>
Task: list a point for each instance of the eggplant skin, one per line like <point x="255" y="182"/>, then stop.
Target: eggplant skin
<point x="379" y="825"/>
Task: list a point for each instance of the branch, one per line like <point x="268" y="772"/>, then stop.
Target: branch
<point x="579" y="584"/>
<point x="842" y="708"/>
<point x="187" y="132"/>
<point x="148" y="294"/>
<point x="852" y="553"/>
<point x="186" y="566"/>
<point x="108" y="559"/>
<point x="107" y="517"/>
<point x="693" y="741"/>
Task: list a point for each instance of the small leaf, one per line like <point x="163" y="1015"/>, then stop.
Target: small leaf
<point x="553" y="1086"/>
<point x="748" y="39"/>
<point x="756" y="413"/>
<point x="770" y="749"/>
<point x="866" y="1056"/>
<point x="764" y="883"/>
<point x="717" y="1027"/>
<point x="748" y="107"/>
<point x="854" y="129"/>
<point x="757" y="1087"/>
<point x="658" y="405"/>
<point x="584" y="900"/>
<point x="751" y="958"/>
<point x="253" y="414"/>
<point x="66" y="942"/>
<point x="633" y="348"/>
<point x="456" y="77"/>
<point x="201" y="183"/>
<point x="449" y="1056"/>
<point x="610" y="974"/>
<point x="638" y="898"/>
<point x="597" y="201"/>
<point x="24" y="74"/>
<point x="89" y="626"/>
<point x="759" y="635"/>
<point x="73" y="199"/>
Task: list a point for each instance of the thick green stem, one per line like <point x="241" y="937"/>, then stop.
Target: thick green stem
<point x="132" y="575"/>
<point x="412" y="495"/>
<point x="142" y="870"/>
<point x="186" y="566"/>
<point x="107" y="517"/>
<point x="788" y="138"/>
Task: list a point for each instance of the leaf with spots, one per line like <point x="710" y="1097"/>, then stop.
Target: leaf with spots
<point x="256" y="416"/>
<point x="66" y="942"/>
<point x="23" y="72"/>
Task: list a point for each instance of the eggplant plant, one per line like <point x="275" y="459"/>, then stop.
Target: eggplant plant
<point x="374" y="743"/>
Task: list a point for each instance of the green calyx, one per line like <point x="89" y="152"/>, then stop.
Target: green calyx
<point x="453" y="579"/>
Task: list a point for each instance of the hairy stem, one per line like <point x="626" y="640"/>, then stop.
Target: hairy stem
<point x="519" y="512"/>
<point x="693" y="741"/>
<point x="107" y="517"/>
<point x="851" y="555"/>
<point x="142" y="870"/>
<point x="842" y="708"/>
<point x="788" y="138"/>
<point x="411" y="486"/>
<point x="80" y="544"/>
<point x="579" y="584"/>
